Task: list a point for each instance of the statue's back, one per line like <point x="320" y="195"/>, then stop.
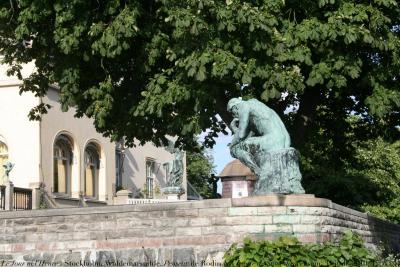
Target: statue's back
<point x="278" y="128"/>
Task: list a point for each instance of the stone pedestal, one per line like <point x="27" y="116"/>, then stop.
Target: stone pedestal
<point x="279" y="172"/>
<point x="9" y="195"/>
<point x="35" y="194"/>
<point x="122" y="197"/>
<point x="173" y="197"/>
<point x="173" y="192"/>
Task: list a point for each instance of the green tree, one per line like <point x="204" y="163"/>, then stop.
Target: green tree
<point x="200" y="167"/>
<point x="379" y="162"/>
<point x="363" y="174"/>
<point x="135" y="66"/>
<point x="148" y="69"/>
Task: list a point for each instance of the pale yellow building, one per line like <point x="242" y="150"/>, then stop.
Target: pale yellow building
<point x="68" y="156"/>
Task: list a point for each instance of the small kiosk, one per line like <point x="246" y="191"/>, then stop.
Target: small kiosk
<point x="237" y="180"/>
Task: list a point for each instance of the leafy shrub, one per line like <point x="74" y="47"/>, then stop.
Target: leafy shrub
<point x="390" y="261"/>
<point x="288" y="251"/>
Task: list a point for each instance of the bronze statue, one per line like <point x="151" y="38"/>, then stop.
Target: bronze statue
<point x="262" y="143"/>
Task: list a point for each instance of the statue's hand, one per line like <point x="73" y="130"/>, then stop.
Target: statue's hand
<point x="233" y="143"/>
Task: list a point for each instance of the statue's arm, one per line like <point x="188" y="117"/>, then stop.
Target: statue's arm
<point x="243" y="122"/>
<point x="234" y="125"/>
<point x="241" y="132"/>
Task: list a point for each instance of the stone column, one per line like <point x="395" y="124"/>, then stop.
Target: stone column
<point x="9" y="196"/>
<point x="35" y="195"/>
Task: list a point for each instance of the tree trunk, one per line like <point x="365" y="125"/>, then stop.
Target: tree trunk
<point x="305" y="116"/>
<point x="221" y="108"/>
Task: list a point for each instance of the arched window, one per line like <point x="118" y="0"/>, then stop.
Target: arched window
<point x="92" y="166"/>
<point x="3" y="159"/>
<point x="62" y="165"/>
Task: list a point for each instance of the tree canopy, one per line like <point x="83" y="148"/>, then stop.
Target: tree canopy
<point x="365" y="177"/>
<point x="147" y="69"/>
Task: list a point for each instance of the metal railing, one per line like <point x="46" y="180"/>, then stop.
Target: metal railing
<point x="192" y="193"/>
<point x="22" y="199"/>
<point x="2" y="197"/>
<point x="139" y="201"/>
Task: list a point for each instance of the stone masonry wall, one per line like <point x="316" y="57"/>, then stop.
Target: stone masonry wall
<point x="177" y="234"/>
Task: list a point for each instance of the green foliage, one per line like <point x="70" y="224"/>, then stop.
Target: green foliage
<point x="157" y="190"/>
<point x="389" y="211"/>
<point x="144" y="192"/>
<point x="379" y="162"/>
<point x="288" y="251"/>
<point x="362" y="174"/>
<point x="135" y="66"/>
<point x="199" y="167"/>
<point x="43" y="197"/>
<point x="390" y="261"/>
<point x="42" y="201"/>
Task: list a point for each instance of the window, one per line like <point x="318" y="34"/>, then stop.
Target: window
<point x="92" y="166"/>
<point x="150" y="174"/>
<point x="62" y="165"/>
<point x="3" y="159"/>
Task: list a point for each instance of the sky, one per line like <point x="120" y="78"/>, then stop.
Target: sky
<point x="221" y="154"/>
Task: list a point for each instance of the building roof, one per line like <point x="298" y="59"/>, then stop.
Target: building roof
<point x="236" y="168"/>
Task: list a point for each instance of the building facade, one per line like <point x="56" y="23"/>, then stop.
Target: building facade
<point x="68" y="156"/>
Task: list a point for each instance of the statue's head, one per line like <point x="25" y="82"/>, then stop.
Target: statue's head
<point x="233" y="102"/>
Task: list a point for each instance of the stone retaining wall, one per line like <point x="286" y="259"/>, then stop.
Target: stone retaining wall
<point x="182" y="233"/>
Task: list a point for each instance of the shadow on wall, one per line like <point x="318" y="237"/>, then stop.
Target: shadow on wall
<point x="131" y="168"/>
<point x="160" y="176"/>
<point x="131" y="179"/>
<point x="131" y="159"/>
<point x="389" y="238"/>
